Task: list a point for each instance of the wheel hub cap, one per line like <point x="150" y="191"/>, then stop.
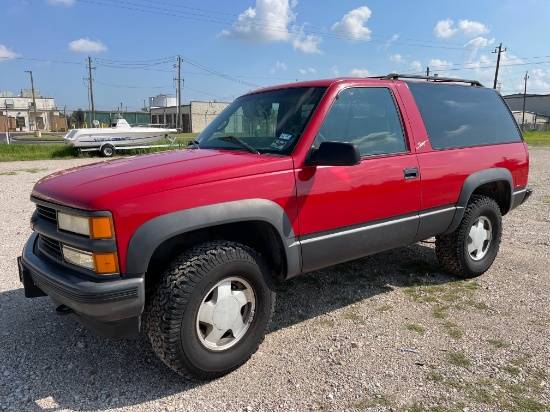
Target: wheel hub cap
<point x="225" y="313"/>
<point x="479" y="238"/>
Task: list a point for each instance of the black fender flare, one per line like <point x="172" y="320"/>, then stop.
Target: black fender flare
<point x="152" y="233"/>
<point x="474" y="181"/>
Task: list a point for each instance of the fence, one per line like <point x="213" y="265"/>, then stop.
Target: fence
<point x="535" y="127"/>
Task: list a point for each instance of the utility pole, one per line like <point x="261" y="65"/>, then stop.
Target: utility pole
<point x="91" y="89"/>
<point x="179" y="120"/>
<point x="524" y="95"/>
<point x="36" y="131"/>
<point x="499" y="51"/>
<point x="427" y="71"/>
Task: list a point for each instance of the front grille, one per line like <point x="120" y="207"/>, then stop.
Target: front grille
<point x="50" y="247"/>
<point x="47" y="213"/>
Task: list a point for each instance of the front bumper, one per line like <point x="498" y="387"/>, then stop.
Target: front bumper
<point x="112" y="308"/>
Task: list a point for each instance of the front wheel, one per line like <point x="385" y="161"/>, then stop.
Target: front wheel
<point x="471" y="249"/>
<point x="210" y="311"/>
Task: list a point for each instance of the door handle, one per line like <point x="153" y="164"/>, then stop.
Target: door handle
<point x="411" y="173"/>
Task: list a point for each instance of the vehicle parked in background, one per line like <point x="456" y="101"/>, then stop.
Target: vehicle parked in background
<point x="286" y="180"/>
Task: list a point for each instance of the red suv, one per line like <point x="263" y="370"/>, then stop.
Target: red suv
<point x="286" y="180"/>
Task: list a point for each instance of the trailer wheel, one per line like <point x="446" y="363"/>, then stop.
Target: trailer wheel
<point x="107" y="150"/>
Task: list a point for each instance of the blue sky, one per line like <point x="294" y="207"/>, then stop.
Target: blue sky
<point x="231" y="47"/>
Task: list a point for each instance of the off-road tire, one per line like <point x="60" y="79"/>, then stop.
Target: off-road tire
<point x="452" y="249"/>
<point x="180" y="294"/>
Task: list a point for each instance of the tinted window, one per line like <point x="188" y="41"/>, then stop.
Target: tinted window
<point x="272" y="122"/>
<point x="367" y="117"/>
<point x="460" y="116"/>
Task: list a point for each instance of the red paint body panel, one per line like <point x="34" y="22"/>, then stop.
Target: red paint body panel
<point x="332" y="197"/>
<point x="443" y="172"/>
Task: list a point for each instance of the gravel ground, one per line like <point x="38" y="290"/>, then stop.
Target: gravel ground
<point x="389" y="332"/>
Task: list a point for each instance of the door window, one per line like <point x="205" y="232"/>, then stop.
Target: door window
<point x="366" y="117"/>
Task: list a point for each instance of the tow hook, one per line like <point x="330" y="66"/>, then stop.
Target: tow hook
<point x="63" y="310"/>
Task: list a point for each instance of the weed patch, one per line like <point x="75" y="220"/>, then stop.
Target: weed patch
<point x="457" y="359"/>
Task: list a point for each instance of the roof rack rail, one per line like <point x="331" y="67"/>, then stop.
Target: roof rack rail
<point x="396" y="76"/>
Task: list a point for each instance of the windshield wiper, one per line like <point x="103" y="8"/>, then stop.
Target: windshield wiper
<point x="234" y="139"/>
<point x="193" y="144"/>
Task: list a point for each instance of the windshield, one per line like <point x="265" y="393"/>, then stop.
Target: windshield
<point x="271" y="122"/>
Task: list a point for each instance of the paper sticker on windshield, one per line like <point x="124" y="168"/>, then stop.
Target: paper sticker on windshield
<point x="278" y="144"/>
<point x="285" y="136"/>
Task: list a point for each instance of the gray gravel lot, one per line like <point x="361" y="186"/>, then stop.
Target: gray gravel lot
<point x="388" y="332"/>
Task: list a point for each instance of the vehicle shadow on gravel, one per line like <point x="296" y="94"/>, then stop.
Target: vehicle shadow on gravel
<point x="50" y="362"/>
<point x="317" y="293"/>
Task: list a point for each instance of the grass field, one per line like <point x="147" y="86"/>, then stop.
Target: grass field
<point x="537" y="138"/>
<point x="42" y="151"/>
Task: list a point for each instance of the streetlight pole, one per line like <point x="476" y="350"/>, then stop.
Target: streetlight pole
<point x="36" y="131"/>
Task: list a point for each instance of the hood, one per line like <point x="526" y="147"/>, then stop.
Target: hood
<point x="100" y="185"/>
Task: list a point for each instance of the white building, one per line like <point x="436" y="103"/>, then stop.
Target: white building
<point x="195" y="115"/>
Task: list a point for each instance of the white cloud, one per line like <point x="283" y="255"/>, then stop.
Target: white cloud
<point x="396" y="58"/>
<point x="268" y="21"/>
<point x="67" y="3"/>
<point x="87" y="46"/>
<point x="360" y="73"/>
<point x="472" y="28"/>
<point x="472" y="47"/>
<point x="309" y="70"/>
<point x="392" y="40"/>
<point x="446" y="28"/>
<point x="307" y="43"/>
<point x="281" y="65"/>
<point x="416" y="66"/>
<point x="438" y="65"/>
<point x="7" y="54"/>
<point x="352" y="25"/>
<point x="273" y="20"/>
<point x="541" y="73"/>
<point x="335" y="70"/>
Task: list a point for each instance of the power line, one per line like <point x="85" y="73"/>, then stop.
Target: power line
<point x="258" y="24"/>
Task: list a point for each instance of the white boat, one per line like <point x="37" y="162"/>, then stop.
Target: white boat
<point x="120" y="134"/>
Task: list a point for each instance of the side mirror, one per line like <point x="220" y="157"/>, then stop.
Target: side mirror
<point x="335" y="154"/>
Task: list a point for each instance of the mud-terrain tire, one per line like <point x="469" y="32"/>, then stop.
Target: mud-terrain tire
<point x="471" y="249"/>
<point x="210" y="311"/>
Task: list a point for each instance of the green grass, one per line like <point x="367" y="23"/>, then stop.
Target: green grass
<point x="457" y="359"/>
<point x="14" y="152"/>
<point x="416" y="328"/>
<point x="537" y="138"/>
<point x="498" y="343"/>
<point x="453" y="330"/>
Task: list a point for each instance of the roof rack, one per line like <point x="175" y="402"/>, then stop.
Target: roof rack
<point x="396" y="76"/>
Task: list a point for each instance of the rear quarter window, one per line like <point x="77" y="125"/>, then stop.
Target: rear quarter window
<point x="461" y="116"/>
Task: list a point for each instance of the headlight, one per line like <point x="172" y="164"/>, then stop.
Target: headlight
<point x="102" y="263"/>
<point x="93" y="227"/>
<point x="78" y="257"/>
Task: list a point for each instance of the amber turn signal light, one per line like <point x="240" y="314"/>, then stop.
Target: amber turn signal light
<point x="101" y="228"/>
<point x="105" y="263"/>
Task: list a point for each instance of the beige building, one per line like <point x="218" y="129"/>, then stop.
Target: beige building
<point x="18" y="113"/>
<point x="195" y="115"/>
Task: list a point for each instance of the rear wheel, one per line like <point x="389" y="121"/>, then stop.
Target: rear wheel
<point x="210" y="311"/>
<point x="471" y="249"/>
